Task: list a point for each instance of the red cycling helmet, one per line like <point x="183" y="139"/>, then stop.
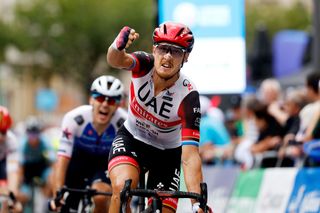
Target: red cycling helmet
<point x="5" y="119"/>
<point x="175" y="33"/>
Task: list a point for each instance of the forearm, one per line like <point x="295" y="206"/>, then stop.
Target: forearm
<point x="117" y="58"/>
<point x="14" y="182"/>
<point x="192" y="173"/>
<point x="258" y="148"/>
<point x="14" y="176"/>
<point x="60" y="172"/>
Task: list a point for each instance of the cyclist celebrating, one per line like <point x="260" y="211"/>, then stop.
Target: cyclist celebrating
<point x="88" y="132"/>
<point x="9" y="157"/>
<point x="163" y="116"/>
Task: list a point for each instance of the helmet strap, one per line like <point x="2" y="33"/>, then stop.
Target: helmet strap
<point x="181" y="65"/>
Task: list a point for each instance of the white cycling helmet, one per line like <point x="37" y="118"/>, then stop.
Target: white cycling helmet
<point x="107" y="85"/>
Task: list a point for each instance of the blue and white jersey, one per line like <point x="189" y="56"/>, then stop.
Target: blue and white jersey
<point x="79" y="138"/>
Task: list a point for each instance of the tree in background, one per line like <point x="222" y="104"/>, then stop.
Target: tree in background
<point x="72" y="36"/>
<point x="263" y="21"/>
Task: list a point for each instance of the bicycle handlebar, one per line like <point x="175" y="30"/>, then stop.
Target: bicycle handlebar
<point x="86" y="193"/>
<point x="201" y="198"/>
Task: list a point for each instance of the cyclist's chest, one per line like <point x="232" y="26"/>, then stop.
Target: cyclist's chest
<point x="32" y="154"/>
<point x="164" y="105"/>
<point x="90" y="141"/>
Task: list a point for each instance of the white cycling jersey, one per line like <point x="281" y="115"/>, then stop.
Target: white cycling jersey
<point x="165" y="120"/>
<point x="79" y="135"/>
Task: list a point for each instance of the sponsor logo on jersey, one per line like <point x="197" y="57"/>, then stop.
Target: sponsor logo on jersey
<point x="118" y="145"/>
<point x="196" y="110"/>
<point x="162" y="109"/>
<point x="120" y="122"/>
<point x="187" y="84"/>
<point x="79" y="119"/>
<point x="197" y="121"/>
<point x="160" y="186"/>
<point x="175" y="183"/>
<point x="66" y="133"/>
<point x="140" y="112"/>
<point x="167" y="98"/>
<point x="168" y="93"/>
<point x="90" y="132"/>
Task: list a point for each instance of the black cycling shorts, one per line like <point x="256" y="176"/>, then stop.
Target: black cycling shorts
<point x="163" y="165"/>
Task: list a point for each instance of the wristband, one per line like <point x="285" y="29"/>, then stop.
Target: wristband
<point x="195" y="207"/>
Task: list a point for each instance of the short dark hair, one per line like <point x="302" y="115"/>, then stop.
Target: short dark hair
<point x="313" y="81"/>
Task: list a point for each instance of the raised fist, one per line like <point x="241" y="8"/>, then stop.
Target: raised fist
<point x="125" y="38"/>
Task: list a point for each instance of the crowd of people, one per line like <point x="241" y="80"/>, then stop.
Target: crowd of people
<point x="167" y="126"/>
<point x="268" y="128"/>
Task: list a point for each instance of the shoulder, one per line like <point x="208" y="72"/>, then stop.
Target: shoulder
<point x="79" y="115"/>
<point x="143" y="63"/>
<point x="121" y="113"/>
<point x="11" y="140"/>
<point x="119" y="117"/>
<point x="188" y="90"/>
<point x="141" y="55"/>
<point x="187" y="85"/>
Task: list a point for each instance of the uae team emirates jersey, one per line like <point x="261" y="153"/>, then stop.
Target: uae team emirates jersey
<point x="167" y="120"/>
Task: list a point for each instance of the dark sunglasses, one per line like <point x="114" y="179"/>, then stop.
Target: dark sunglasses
<point x="3" y="132"/>
<point x="163" y="49"/>
<point x="109" y="99"/>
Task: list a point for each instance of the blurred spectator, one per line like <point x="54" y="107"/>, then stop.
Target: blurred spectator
<point x="307" y="115"/>
<point x="271" y="95"/>
<point x="310" y="116"/>
<point x="242" y="153"/>
<point x="270" y="135"/>
<point x="294" y="101"/>
<point x="234" y="121"/>
<point x="37" y="157"/>
<point x="215" y="146"/>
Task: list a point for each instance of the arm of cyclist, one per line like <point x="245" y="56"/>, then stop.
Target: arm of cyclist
<point x="13" y="168"/>
<point x="69" y="127"/>
<point x="14" y="176"/>
<point x="60" y="174"/>
<point x="117" y="56"/>
<point x="191" y="163"/>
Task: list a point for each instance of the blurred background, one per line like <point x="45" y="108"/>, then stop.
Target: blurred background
<point x="51" y="51"/>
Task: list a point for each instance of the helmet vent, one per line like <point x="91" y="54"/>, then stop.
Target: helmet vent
<point x="180" y="32"/>
<point x="109" y="85"/>
<point x="165" y="29"/>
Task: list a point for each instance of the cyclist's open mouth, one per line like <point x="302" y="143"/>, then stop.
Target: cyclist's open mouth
<point x="166" y="65"/>
<point x="103" y="113"/>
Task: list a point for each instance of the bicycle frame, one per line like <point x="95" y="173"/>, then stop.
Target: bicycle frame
<point x="158" y="195"/>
